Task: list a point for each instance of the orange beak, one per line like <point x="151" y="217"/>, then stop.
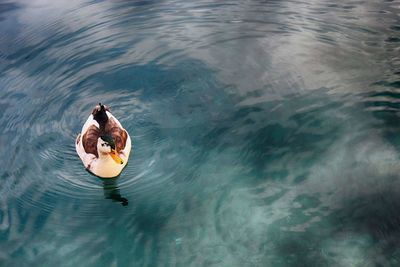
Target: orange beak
<point x="116" y="157"/>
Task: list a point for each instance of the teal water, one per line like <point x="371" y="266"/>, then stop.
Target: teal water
<point x="265" y="133"/>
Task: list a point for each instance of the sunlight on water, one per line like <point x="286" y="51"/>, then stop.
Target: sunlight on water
<point x="264" y="133"/>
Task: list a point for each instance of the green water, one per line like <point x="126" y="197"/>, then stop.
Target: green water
<point x="265" y="133"/>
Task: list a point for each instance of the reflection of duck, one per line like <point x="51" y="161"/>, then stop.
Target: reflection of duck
<point x="111" y="191"/>
<point x="103" y="145"/>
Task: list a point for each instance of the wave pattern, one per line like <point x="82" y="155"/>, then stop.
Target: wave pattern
<point x="264" y="133"/>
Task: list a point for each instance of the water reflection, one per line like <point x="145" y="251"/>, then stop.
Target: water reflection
<point x="263" y="132"/>
<point x="112" y="191"/>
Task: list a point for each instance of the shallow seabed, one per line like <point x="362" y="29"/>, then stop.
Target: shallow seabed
<point x="265" y="133"/>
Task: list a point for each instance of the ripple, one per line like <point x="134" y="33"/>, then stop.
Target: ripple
<point x="254" y="124"/>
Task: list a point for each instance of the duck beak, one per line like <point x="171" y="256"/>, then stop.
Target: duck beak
<point x="116" y="157"/>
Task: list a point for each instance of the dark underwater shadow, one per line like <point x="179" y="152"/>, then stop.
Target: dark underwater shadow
<point x="111" y="191"/>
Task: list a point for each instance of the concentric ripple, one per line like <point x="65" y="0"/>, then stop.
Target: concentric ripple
<point x="265" y="133"/>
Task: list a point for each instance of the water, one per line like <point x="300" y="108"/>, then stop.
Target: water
<point x="265" y="133"/>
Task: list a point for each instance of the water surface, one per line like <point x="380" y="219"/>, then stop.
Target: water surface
<point x="265" y="133"/>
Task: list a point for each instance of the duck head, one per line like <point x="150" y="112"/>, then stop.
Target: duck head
<point x="106" y="146"/>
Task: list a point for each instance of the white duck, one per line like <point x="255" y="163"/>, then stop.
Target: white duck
<point x="103" y="145"/>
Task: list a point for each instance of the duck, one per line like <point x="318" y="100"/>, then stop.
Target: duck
<point x="103" y="144"/>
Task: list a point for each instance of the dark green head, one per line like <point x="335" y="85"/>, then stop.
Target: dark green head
<point x="109" y="140"/>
